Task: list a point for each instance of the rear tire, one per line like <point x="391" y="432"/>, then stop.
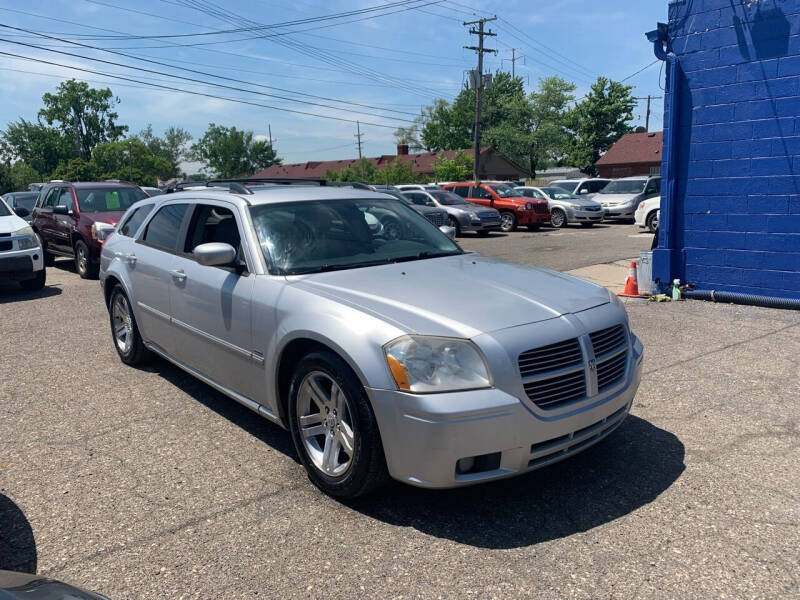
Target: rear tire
<point x="36" y="283"/>
<point x="83" y="263"/>
<point x="130" y="347"/>
<point x="337" y="387"/>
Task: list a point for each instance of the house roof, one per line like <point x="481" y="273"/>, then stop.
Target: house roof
<point x="633" y="148"/>
<point x="420" y="163"/>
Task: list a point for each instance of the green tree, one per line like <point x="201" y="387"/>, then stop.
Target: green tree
<point x="21" y="174"/>
<point x="364" y="171"/>
<point x="5" y="180"/>
<point x="171" y="147"/>
<point x="76" y="169"/>
<point x="458" y="168"/>
<point x="231" y="152"/>
<point x="598" y="121"/>
<point x="83" y="115"/>
<point x="130" y="160"/>
<point x="37" y="145"/>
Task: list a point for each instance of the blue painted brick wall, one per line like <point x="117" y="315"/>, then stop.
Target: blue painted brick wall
<point x="737" y="224"/>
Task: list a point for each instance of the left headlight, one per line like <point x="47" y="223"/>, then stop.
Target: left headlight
<point x="424" y="364"/>
<point x="101" y="231"/>
<point x="27" y="238"/>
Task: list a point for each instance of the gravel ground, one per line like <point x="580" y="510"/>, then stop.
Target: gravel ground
<point x="148" y="484"/>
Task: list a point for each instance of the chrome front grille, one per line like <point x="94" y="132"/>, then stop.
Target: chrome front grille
<point x="556" y="374"/>
<point x="610" y="349"/>
<point x="540" y="207"/>
<point x="489" y="216"/>
<point x="546" y="393"/>
<point x="550" y="358"/>
<point x="593" y="208"/>
<point x="437" y="218"/>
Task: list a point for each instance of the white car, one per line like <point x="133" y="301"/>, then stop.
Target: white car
<point x="646" y="214"/>
<point x="21" y="257"/>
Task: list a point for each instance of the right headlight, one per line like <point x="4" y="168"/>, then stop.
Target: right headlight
<point x="29" y="239"/>
<point x="425" y="364"/>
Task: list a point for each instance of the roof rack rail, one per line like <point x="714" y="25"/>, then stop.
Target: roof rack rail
<point x="274" y="180"/>
<point x="240" y="185"/>
<point x="232" y="186"/>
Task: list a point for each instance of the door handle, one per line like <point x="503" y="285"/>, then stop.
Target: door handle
<point x="128" y="258"/>
<point x="178" y="275"/>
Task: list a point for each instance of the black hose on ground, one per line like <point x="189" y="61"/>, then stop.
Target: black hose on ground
<point x="738" y="298"/>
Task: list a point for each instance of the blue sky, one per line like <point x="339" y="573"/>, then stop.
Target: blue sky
<point x="378" y="67"/>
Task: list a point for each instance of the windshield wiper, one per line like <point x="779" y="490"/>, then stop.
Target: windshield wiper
<point x="423" y="255"/>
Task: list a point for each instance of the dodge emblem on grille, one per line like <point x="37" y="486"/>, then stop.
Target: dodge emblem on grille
<point x="593" y="365"/>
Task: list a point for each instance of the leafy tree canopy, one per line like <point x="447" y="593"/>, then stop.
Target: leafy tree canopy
<point x="231" y="152"/>
<point x="83" y="115"/>
<point x="172" y="147"/>
<point x="458" y="168"/>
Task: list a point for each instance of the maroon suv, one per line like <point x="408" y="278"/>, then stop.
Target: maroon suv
<point x="74" y="219"/>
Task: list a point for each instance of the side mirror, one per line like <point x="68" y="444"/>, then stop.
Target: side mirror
<point x="583" y="191"/>
<point x="448" y="231"/>
<point x="430" y="203"/>
<point x="215" y="254"/>
<point x="22" y="212"/>
<point x="61" y="209"/>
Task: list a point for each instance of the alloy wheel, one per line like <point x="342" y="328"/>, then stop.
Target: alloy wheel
<point x="325" y="421"/>
<point x="557" y="218"/>
<point x="122" y="323"/>
<point x="506" y="221"/>
<point x="83" y="259"/>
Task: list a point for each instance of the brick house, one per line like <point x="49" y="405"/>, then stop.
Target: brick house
<point x="492" y="165"/>
<point x="633" y="154"/>
<point x="730" y="205"/>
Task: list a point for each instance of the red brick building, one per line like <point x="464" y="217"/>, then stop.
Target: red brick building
<point x="633" y="154"/>
<point x="493" y="165"/>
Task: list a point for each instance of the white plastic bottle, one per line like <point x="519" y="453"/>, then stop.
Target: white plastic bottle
<point x="676" y="290"/>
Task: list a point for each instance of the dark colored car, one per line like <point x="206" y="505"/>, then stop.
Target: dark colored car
<point x="22" y="203"/>
<point x="435" y="215"/>
<point x="74" y="219"/>
<point x="19" y="586"/>
<point x="515" y="209"/>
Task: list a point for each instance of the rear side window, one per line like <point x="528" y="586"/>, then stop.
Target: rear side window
<point x="136" y="218"/>
<point x="478" y="192"/>
<point x="162" y="230"/>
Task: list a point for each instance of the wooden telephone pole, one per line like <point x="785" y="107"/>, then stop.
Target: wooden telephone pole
<point x="480" y="50"/>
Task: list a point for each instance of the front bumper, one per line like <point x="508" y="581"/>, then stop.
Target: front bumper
<point x="584" y="216"/>
<point x="424" y="436"/>
<point x="530" y="217"/>
<point x="20" y="265"/>
<point x="625" y="211"/>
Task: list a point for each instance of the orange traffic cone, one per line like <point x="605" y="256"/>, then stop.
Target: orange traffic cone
<point x="631" y="284"/>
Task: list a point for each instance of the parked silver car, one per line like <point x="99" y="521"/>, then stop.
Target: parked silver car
<point x="462" y="215"/>
<point x="404" y="357"/>
<point x="588" y="186"/>
<point x="622" y="197"/>
<point x="566" y="207"/>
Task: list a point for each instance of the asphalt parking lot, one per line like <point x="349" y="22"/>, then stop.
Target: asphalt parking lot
<point x="149" y="484"/>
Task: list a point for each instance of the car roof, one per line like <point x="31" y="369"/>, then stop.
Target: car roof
<point x="92" y="184"/>
<point x="637" y="177"/>
<point x="277" y="193"/>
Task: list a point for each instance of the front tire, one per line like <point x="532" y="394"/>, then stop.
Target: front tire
<point x="124" y="330"/>
<point x="454" y="224"/>
<point x="508" y="222"/>
<point x="83" y="263"/>
<point x="558" y="218"/>
<point x="36" y="283"/>
<point x="652" y="222"/>
<point x="334" y="429"/>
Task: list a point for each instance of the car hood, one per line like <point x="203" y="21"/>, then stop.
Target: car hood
<point x="580" y="201"/>
<point x="11" y="223"/>
<point x="111" y="217"/>
<point x="462" y="296"/>
<point x="616" y="198"/>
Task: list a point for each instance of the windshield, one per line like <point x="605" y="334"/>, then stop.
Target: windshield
<point x="505" y="191"/>
<point x="116" y="199"/>
<point x="564" y="185"/>
<point x="624" y="186"/>
<point x="329" y="235"/>
<point x="24" y="200"/>
<point x="558" y="193"/>
<point x="4" y="212"/>
<point x="448" y="198"/>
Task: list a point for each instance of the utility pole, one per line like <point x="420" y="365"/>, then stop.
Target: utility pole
<point x="269" y="133"/>
<point x="130" y="160"/>
<point x="514" y="58"/>
<point x="480" y="50"/>
<point x="358" y="137"/>
<point x="647" y="118"/>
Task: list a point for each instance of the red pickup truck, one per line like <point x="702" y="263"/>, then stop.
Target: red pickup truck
<point x="515" y="209"/>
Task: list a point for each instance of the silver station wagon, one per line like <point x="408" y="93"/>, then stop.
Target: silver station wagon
<point x="385" y="356"/>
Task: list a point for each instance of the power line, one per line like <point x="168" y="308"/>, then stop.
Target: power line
<point x="223" y="77"/>
<point x="644" y="68"/>
<point x="195" y="93"/>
